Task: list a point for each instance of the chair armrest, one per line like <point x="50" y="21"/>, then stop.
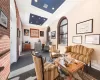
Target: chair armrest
<point x="49" y="67"/>
<point x="68" y="49"/>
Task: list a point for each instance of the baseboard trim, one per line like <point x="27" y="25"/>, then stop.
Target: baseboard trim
<point x="95" y="66"/>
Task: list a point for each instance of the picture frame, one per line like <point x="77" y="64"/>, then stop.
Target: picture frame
<point x="34" y="33"/>
<point x="92" y="39"/>
<point x="84" y="27"/>
<point x="53" y="34"/>
<point x="42" y="33"/>
<point x="26" y="32"/>
<point x="3" y="19"/>
<point x="77" y="39"/>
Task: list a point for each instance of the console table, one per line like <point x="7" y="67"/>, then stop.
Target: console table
<point x="26" y="46"/>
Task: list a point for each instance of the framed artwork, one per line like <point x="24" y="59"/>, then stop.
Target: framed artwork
<point x="42" y="33"/>
<point x="77" y="39"/>
<point x="92" y="39"/>
<point x="3" y="19"/>
<point x="84" y="27"/>
<point x="53" y="34"/>
<point x="34" y="33"/>
<point x="26" y="32"/>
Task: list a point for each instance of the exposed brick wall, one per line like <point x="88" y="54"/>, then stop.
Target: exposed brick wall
<point x="5" y="41"/>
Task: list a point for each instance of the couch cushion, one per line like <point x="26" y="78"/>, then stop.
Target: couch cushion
<point x="81" y="50"/>
<point x="77" y="49"/>
<point x="80" y="57"/>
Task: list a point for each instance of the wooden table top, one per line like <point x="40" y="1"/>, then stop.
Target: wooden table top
<point x="72" y="67"/>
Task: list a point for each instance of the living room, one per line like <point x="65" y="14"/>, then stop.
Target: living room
<point x="52" y="40"/>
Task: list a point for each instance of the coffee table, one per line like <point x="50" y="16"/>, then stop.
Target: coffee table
<point x="70" y="68"/>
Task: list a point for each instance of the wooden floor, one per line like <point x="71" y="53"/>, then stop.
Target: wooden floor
<point x="24" y="68"/>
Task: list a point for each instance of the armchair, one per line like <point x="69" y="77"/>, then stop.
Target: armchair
<point x="53" y="51"/>
<point x="44" y="71"/>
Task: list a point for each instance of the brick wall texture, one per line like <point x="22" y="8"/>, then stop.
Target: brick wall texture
<point x="5" y="41"/>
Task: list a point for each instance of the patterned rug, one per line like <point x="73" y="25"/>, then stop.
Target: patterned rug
<point x="78" y="76"/>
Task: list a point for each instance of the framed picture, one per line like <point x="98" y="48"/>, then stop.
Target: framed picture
<point x="34" y="33"/>
<point x="77" y="39"/>
<point x="84" y="27"/>
<point x="42" y="33"/>
<point x="26" y="32"/>
<point x="92" y="39"/>
<point x="53" y="34"/>
<point x="3" y="19"/>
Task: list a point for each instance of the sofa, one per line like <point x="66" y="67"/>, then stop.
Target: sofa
<point x="80" y="53"/>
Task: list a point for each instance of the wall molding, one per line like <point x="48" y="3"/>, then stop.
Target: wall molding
<point x="95" y="66"/>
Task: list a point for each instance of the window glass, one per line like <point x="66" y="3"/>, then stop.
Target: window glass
<point x="63" y="32"/>
<point x="63" y="22"/>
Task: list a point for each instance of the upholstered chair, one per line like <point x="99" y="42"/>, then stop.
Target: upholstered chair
<point x="54" y="53"/>
<point x="44" y="71"/>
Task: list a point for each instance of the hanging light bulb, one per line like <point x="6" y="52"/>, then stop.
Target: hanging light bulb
<point x="36" y="0"/>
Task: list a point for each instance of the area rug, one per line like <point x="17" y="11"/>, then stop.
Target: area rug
<point x="78" y="76"/>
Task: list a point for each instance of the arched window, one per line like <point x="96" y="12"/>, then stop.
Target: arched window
<point x="63" y="31"/>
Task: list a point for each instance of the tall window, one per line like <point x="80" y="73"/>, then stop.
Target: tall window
<point x="63" y="31"/>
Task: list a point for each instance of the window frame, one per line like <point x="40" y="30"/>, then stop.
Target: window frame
<point x="59" y="26"/>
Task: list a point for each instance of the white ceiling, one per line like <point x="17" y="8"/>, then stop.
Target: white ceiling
<point x="25" y="8"/>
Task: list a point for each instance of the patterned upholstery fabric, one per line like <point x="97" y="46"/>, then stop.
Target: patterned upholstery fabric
<point x="46" y="71"/>
<point x="80" y="52"/>
<point x="53" y="51"/>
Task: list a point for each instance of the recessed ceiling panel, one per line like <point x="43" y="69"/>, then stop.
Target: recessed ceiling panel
<point x="47" y="5"/>
<point x="35" y="19"/>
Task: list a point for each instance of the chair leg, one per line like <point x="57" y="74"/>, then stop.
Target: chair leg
<point x="90" y="64"/>
<point x="86" y="68"/>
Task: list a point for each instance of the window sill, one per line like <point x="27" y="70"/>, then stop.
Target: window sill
<point x="62" y="44"/>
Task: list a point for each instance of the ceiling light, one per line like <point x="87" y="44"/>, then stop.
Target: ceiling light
<point x="53" y="8"/>
<point x="45" y="6"/>
<point x="32" y="16"/>
<point x="36" y="0"/>
<point x="44" y="19"/>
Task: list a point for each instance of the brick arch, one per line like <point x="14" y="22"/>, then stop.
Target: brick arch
<point x="58" y="29"/>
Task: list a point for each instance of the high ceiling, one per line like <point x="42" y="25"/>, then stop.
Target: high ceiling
<point x="44" y="12"/>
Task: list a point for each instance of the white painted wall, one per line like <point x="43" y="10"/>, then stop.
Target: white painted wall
<point x="13" y="33"/>
<point x="20" y="39"/>
<point x="33" y="40"/>
<point x="89" y="9"/>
